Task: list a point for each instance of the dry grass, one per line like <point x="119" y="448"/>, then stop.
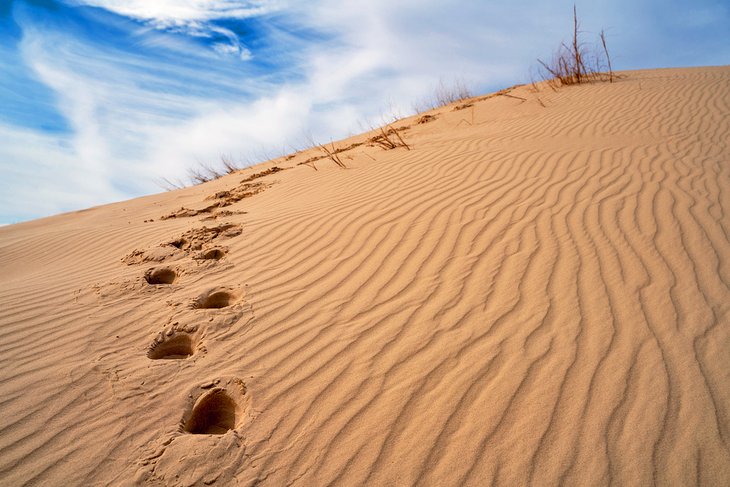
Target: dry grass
<point x="229" y="165"/>
<point x="389" y="139"/>
<point x="451" y="94"/>
<point x="608" y="58"/>
<point x="331" y="154"/>
<point x="444" y="95"/>
<point x="169" y="185"/>
<point x="326" y="151"/>
<point x="575" y="63"/>
<point x="202" y="173"/>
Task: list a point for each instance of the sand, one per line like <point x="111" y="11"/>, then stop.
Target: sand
<point x="536" y="293"/>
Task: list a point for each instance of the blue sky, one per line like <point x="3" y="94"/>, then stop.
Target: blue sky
<point x="101" y="98"/>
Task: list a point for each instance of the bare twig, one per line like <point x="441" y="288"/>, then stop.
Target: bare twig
<point x="203" y="173"/>
<point x="385" y="141"/>
<point x="608" y="58"/>
<point x="169" y="185"/>
<point x="332" y="155"/>
<point x="513" y="96"/>
<point x="444" y="95"/>
<point x="228" y="164"/>
<point x="578" y="68"/>
<point x="400" y="139"/>
<point x="573" y="64"/>
<point x="309" y="163"/>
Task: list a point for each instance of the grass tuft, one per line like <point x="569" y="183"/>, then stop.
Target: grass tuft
<point x="389" y="139"/>
<point x="444" y="95"/>
<point x="331" y="154"/>
<point x="575" y="63"/>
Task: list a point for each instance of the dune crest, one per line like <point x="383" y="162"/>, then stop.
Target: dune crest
<point x="537" y="292"/>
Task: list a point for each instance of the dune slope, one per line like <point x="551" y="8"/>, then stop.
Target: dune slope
<point x="538" y="292"/>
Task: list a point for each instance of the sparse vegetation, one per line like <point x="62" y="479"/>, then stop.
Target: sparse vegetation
<point x="332" y="155"/>
<point x="444" y="95"/>
<point x="169" y="185"/>
<point x="389" y="139"/>
<point x="204" y="172"/>
<point x="575" y="63"/>
<point x="325" y="152"/>
<point x="229" y="165"/>
<point x="448" y="95"/>
<point x="608" y="58"/>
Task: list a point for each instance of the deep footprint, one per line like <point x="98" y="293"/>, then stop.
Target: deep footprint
<point x="160" y="275"/>
<point x="214" y="415"/>
<point x="175" y="343"/>
<point x="179" y="345"/>
<point x="216" y="299"/>
<point x="216" y="253"/>
<point x="218" y="410"/>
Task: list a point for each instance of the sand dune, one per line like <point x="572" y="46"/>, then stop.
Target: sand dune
<point x="530" y="295"/>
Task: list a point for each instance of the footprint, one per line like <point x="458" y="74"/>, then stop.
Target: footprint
<point x="160" y="275"/>
<point x="178" y="243"/>
<point x="174" y="344"/>
<point x="213" y="253"/>
<point x="218" y="410"/>
<point x="217" y="298"/>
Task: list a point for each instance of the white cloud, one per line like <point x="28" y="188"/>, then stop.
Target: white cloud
<point x="191" y="17"/>
<point x="234" y="46"/>
<point x="177" y="12"/>
<point x="44" y="176"/>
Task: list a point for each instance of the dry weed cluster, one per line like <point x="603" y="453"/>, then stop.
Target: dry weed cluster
<point x="576" y="63"/>
<point x="389" y="139"/>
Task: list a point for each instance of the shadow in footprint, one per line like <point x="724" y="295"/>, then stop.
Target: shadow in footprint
<point x="214" y="414"/>
<point x="215" y="253"/>
<point x="216" y="300"/>
<point x="220" y="405"/>
<point x="160" y="275"/>
<point x="178" y="346"/>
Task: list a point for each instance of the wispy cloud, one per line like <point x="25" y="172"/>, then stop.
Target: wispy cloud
<point x="43" y="175"/>
<point x="191" y="17"/>
<point x="177" y="12"/>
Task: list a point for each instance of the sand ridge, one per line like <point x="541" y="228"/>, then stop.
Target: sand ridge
<point x="538" y="292"/>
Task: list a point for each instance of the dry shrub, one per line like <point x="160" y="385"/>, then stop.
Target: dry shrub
<point x="575" y="63"/>
<point x="444" y="95"/>
<point x="389" y="139"/>
<point x="229" y="165"/>
<point x="203" y="173"/>
<point x="331" y="154"/>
